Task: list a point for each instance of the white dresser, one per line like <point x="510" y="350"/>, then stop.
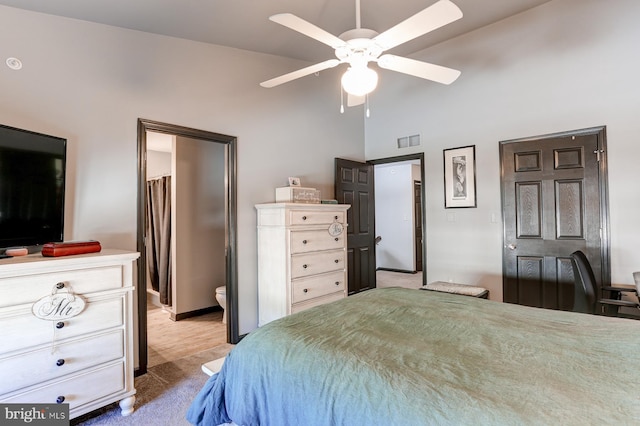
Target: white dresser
<point x="85" y="360"/>
<point x="301" y="257"/>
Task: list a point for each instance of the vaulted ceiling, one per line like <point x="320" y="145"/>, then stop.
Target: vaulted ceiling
<point x="244" y="24"/>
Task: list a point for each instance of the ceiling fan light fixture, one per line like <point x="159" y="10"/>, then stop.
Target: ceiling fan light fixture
<point x="359" y="80"/>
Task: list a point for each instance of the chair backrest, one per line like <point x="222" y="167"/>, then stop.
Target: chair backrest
<point x="585" y="284"/>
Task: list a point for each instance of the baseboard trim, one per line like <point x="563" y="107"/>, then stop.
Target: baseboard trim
<point x="403" y="271"/>
<point x="197" y="312"/>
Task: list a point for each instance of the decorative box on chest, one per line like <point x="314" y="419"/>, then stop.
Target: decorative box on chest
<point x="302" y="259"/>
<point x="68" y="330"/>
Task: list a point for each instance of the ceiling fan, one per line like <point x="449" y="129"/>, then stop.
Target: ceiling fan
<point x="359" y="46"/>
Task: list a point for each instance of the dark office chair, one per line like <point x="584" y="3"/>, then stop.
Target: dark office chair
<point x="586" y="288"/>
<point x="584" y="296"/>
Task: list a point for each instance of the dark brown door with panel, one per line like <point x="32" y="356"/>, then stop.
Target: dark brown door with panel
<point x="354" y="186"/>
<point x="554" y="203"/>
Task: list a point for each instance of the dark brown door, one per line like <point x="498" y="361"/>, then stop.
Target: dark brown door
<point x="354" y="186"/>
<point x="553" y="202"/>
<point x="417" y="208"/>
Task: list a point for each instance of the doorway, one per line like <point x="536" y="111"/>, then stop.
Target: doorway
<point x="191" y="141"/>
<point x="554" y="202"/>
<point x="355" y="184"/>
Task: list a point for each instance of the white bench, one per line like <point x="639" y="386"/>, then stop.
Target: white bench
<point x="212" y="367"/>
<point x="455" y="288"/>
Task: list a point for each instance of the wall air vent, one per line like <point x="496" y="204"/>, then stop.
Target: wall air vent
<point x="407" y="141"/>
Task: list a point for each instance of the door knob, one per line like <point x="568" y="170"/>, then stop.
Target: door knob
<point x="512" y="246"/>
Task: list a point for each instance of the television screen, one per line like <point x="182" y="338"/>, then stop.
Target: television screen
<point x="32" y="179"/>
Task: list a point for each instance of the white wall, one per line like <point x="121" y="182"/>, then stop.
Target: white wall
<point x="394" y="216"/>
<point x="565" y="65"/>
<point x="198" y="188"/>
<point x="90" y="83"/>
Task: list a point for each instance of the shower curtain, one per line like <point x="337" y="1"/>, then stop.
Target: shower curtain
<point x="158" y="248"/>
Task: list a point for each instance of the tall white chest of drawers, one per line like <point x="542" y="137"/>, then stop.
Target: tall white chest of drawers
<point x="85" y="360"/>
<point x="301" y="257"/>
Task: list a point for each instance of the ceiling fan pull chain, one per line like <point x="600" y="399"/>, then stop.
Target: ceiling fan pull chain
<point x="366" y="102"/>
<point x="341" y="100"/>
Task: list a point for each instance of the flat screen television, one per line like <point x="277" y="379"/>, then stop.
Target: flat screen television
<point x="32" y="183"/>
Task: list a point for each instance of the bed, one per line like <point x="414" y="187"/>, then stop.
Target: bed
<point x="399" y="356"/>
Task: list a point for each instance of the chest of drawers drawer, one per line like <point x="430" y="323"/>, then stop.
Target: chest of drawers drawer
<point x="27" y="289"/>
<point x="316" y="240"/>
<point x="76" y="390"/>
<point x="303" y="265"/>
<point x="316" y="301"/>
<point x="23" y="330"/>
<point x="314" y="217"/>
<point x="59" y="359"/>
<point x="318" y="285"/>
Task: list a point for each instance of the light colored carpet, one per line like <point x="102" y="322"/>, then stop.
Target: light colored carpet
<point x="163" y="394"/>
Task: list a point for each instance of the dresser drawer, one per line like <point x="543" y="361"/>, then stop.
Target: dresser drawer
<point x="29" y="288"/>
<point x="319" y="285"/>
<point x="302" y="217"/>
<point x="307" y="241"/>
<point x="25" y="330"/>
<point x="30" y="368"/>
<point x="76" y="390"/>
<point x="303" y="265"/>
<point x="298" y="307"/>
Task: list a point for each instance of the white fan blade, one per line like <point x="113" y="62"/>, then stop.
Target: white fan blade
<point x="300" y="73"/>
<point x="420" y="69"/>
<point x="353" y="100"/>
<point x="431" y="18"/>
<point x="300" y="25"/>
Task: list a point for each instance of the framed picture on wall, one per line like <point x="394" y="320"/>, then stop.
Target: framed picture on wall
<point x="294" y="181"/>
<point x="460" y="177"/>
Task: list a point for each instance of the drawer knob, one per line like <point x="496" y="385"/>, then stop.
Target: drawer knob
<point x="305" y="266"/>
<point x="304" y="241"/>
<point x="337" y="282"/>
<point x="304" y="218"/>
<point x="337" y="260"/>
<point x="60" y="399"/>
<point x="59" y="324"/>
<point x="305" y="290"/>
<point x="337" y="239"/>
<point x="60" y="286"/>
<point x="60" y="362"/>
<point x="335" y="217"/>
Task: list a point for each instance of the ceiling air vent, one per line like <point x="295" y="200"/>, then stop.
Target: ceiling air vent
<point x="407" y="141"/>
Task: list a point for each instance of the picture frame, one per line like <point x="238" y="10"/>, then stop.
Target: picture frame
<point x="460" y="177"/>
<point x="294" y="181"/>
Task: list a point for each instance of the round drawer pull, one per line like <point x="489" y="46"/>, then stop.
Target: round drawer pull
<point x="60" y="362"/>
<point x="337" y="239"/>
<point x="304" y="218"/>
<point x="337" y="260"/>
<point x="335" y="217"/>
<point x="337" y="282"/>
<point x="304" y="241"/>
<point x="305" y="290"/>
<point x="60" y="399"/>
<point x="305" y="266"/>
<point x="59" y="324"/>
<point x="60" y="286"/>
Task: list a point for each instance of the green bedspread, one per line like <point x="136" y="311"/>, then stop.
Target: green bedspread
<point x="398" y="356"/>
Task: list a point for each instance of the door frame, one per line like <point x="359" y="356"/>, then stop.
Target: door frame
<point x="231" y="263"/>
<point x="409" y="157"/>
<point x="603" y="187"/>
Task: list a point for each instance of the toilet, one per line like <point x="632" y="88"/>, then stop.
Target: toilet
<point x="221" y="297"/>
